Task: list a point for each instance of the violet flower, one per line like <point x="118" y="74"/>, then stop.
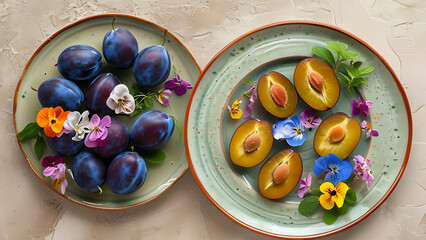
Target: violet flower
<point x="163" y="96"/>
<point x="370" y="132"/>
<point x="336" y="170"/>
<point x="361" y="107"/>
<point x="305" y="186"/>
<point x="309" y="119"/>
<point x="57" y="174"/>
<point x="250" y="105"/>
<point x="177" y="85"/>
<point x="51" y="161"/>
<point x="77" y="122"/>
<point x="291" y="130"/>
<point x="98" y="131"/>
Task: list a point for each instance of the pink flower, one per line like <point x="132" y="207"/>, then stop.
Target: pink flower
<point x="305" y="186"/>
<point x="370" y="132"/>
<point x="163" y="96"/>
<point x="177" y="85"/>
<point x="362" y="169"/>
<point x="98" y="131"/>
<point x="253" y="98"/>
<point x="361" y="107"/>
<point x="308" y="119"/>
<point x="57" y="174"/>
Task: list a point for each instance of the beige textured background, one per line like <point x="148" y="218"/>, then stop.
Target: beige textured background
<point x="30" y="210"/>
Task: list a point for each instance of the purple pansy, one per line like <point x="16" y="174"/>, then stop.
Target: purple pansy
<point x="336" y="169"/>
<point x="291" y="130"/>
<point x="98" y="131"/>
<point x="309" y="119"/>
<point x="50" y="161"/>
<point x="163" y="96"/>
<point x="361" y="107"/>
<point x="177" y="85"/>
<point x="253" y="98"/>
<point x="305" y="186"/>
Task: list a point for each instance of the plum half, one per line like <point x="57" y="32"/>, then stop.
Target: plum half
<point x="338" y="134"/>
<point x="317" y="84"/>
<point x="277" y="94"/>
<point x="280" y="174"/>
<point x="251" y="143"/>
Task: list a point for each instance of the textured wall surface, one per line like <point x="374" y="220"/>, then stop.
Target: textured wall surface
<point x="30" y="210"/>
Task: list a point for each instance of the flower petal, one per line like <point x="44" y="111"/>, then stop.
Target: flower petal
<point x="345" y="169"/>
<point x="120" y="91"/>
<point x="326" y="187"/>
<point x="42" y="117"/>
<point x="50" y="171"/>
<point x="302" y="191"/>
<point x="320" y="165"/>
<point x="374" y="133"/>
<point x="171" y="84"/>
<point x="236" y="113"/>
<point x="298" y="140"/>
<point x="180" y="90"/>
<point x="333" y="177"/>
<point x="111" y="103"/>
<point x="105" y="122"/>
<point x="326" y="201"/>
<point x="49" y="132"/>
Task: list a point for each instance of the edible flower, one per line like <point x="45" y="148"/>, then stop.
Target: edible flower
<point x="291" y="130"/>
<point x="309" y="119"/>
<point x="253" y="97"/>
<point x="55" y="169"/>
<point x="362" y="169"/>
<point x="305" y="186"/>
<point x="177" y="85"/>
<point x="163" y="96"/>
<point x="120" y="100"/>
<point x="51" y="161"/>
<point x="332" y="195"/>
<point x="370" y="132"/>
<point x="336" y="169"/>
<point x="52" y="120"/>
<point x="361" y="107"/>
<point x="235" y="111"/>
<point x="79" y="123"/>
<point x="98" y="131"/>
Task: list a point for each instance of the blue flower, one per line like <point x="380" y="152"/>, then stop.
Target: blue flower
<point x="291" y="130"/>
<point x="336" y="169"/>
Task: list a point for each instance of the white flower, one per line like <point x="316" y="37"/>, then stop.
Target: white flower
<point x="78" y="123"/>
<point x="120" y="100"/>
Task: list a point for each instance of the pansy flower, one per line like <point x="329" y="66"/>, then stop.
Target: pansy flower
<point x="309" y="119"/>
<point x="177" y="85"/>
<point x="98" y="131"/>
<point x="235" y="111"/>
<point x="51" y="161"/>
<point x="361" y="107"/>
<point x="120" y="100"/>
<point x="163" y="96"/>
<point x="52" y="120"/>
<point x="370" y="132"/>
<point x="253" y="98"/>
<point x="362" y="170"/>
<point x="336" y="170"/>
<point x="305" y="186"/>
<point x="291" y="130"/>
<point x="333" y="195"/>
<point x="77" y="122"/>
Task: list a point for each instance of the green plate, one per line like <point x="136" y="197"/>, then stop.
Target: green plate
<point x="91" y="31"/>
<point x="209" y="128"/>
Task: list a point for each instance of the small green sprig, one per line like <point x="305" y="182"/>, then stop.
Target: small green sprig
<point x="351" y="76"/>
<point x="30" y="131"/>
<point x="143" y="99"/>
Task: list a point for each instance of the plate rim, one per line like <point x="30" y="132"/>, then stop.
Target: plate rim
<point x="372" y="209"/>
<point x="47" y="41"/>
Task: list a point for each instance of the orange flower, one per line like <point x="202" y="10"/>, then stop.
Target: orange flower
<point x="52" y="120"/>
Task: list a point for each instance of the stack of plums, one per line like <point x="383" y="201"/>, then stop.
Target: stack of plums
<point x="316" y="83"/>
<point x="77" y="64"/>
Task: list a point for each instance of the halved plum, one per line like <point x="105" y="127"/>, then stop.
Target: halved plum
<point x="251" y="143"/>
<point x="280" y="174"/>
<point x="277" y="94"/>
<point x="317" y="84"/>
<point x="338" y="134"/>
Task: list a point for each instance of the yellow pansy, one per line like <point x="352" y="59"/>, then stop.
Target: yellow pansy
<point x="332" y="194"/>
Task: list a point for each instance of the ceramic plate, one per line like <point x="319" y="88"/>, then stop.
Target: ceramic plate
<point x="91" y="31"/>
<point x="209" y="128"/>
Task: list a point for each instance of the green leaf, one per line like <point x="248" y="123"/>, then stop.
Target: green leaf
<point x="330" y="216"/>
<point x="350" y="55"/>
<point x="356" y="82"/>
<point x="356" y="65"/>
<point x="337" y="46"/>
<point x="154" y="156"/>
<point x="343" y="81"/>
<point x="32" y="130"/>
<point x="346" y="77"/>
<point x="352" y="72"/>
<point x="39" y="146"/>
<point x="343" y="209"/>
<point x="350" y="197"/>
<point x="351" y="90"/>
<point x="316" y="192"/>
<point x="137" y="111"/>
<point x="366" y="70"/>
<point x="134" y="89"/>
<point x="177" y="124"/>
<point x="309" y="206"/>
<point x="324" y="53"/>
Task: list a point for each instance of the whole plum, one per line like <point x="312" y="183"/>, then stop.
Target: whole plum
<point x="64" y="145"/>
<point x="152" y="66"/>
<point x="80" y="62"/>
<point x="116" y="141"/>
<point x="89" y="171"/>
<point x="98" y="93"/>
<point x="60" y="92"/>
<point x="152" y="130"/>
<point x="126" y="173"/>
<point x="120" y="48"/>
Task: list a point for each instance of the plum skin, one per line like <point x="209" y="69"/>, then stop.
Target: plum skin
<point x="116" y="140"/>
<point x="98" y="93"/>
<point x="64" y="145"/>
<point x="89" y="171"/>
<point x="120" y="48"/>
<point x="60" y="92"/>
<point x="152" y="66"/>
<point x="152" y="130"/>
<point x="79" y="62"/>
<point x="126" y="173"/>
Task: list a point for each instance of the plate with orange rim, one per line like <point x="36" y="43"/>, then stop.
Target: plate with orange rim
<point x="90" y="31"/>
<point x="209" y="128"/>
